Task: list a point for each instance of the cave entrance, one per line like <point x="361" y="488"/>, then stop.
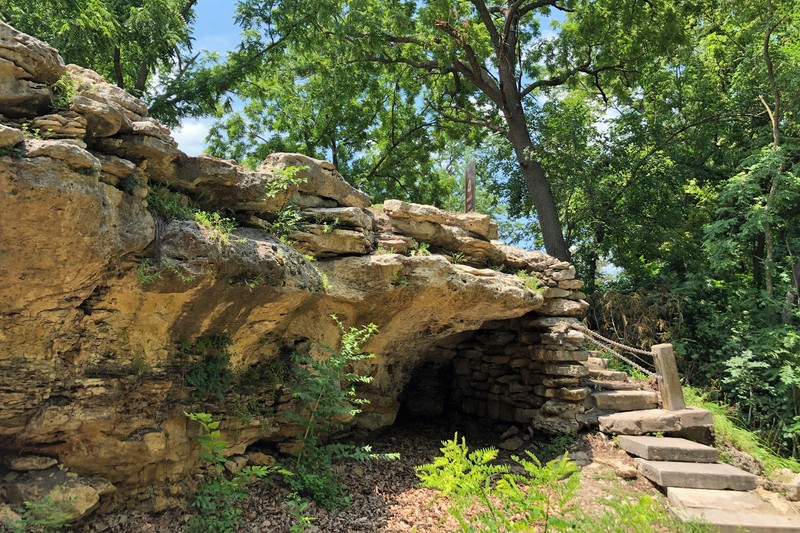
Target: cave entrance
<point x="521" y="371"/>
<point x="430" y="392"/>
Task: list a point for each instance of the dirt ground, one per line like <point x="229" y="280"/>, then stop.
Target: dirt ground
<point x="387" y="496"/>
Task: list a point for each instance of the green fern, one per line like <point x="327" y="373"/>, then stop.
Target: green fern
<point x="489" y="497"/>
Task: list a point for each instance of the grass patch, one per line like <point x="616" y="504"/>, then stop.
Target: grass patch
<point x="729" y="430"/>
<point x="531" y="282"/>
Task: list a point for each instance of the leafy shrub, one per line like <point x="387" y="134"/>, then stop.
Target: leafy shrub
<point x="46" y="515"/>
<point x="489" y="497"/>
<point x="326" y="390"/>
<point x="64" y="90"/>
<point x="222" y="228"/>
<point x="288" y="220"/>
<point x="172" y="205"/>
<point x="168" y="204"/>
<point x="216" y="502"/>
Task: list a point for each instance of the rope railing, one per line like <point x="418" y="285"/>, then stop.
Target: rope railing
<point x="608" y="344"/>
<point x="663" y="359"/>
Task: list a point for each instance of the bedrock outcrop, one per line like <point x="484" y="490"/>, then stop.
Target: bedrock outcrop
<point x="122" y="274"/>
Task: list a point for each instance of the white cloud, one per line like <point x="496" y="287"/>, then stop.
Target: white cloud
<point x="191" y="135"/>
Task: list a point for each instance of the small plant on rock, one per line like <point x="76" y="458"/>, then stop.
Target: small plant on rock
<point x="31" y="132"/>
<point x="458" y="258"/>
<point x="420" y="248"/>
<point x="288" y="220"/>
<point x="217" y="501"/>
<point x="64" y="91"/>
<point x="385" y="251"/>
<point x="221" y="227"/>
<point x="326" y="390"/>
<point x="146" y="273"/>
<point x="283" y="178"/>
<point x="531" y="282"/>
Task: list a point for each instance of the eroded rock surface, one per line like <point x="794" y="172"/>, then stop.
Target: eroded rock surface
<point x="106" y="299"/>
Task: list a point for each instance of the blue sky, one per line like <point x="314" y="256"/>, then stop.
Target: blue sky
<point x="214" y="31"/>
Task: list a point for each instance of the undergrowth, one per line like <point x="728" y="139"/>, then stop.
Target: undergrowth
<point x="487" y="496"/>
<point x="729" y="430"/>
<point x="171" y="205"/>
<point x="326" y="391"/>
<point x="216" y="503"/>
<point x="46" y="515"/>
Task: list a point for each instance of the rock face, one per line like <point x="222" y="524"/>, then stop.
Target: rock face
<point x="116" y="294"/>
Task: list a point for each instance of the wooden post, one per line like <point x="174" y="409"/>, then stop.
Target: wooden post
<point x="669" y="383"/>
<point x="469" y="187"/>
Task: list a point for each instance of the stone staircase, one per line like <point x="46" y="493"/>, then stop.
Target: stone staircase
<point x="613" y="392"/>
<point x="698" y="487"/>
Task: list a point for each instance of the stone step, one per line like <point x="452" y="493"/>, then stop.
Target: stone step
<point x="625" y="400"/>
<point x="655" y="421"/>
<point x="597" y="362"/>
<point x="696" y="475"/>
<point x="597" y="384"/>
<point x="741" y="522"/>
<point x="607" y="375"/>
<point x="730" y="511"/>
<point x="668" y="449"/>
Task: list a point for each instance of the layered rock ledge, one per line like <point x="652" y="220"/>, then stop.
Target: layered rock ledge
<point x="106" y="297"/>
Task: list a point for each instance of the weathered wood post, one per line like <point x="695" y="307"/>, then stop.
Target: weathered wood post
<point x="669" y="383"/>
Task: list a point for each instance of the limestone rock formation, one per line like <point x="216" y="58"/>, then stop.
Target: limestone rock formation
<point x="28" y="70"/>
<point x="117" y="289"/>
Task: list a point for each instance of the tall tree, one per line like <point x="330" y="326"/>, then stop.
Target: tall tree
<point x="483" y="65"/>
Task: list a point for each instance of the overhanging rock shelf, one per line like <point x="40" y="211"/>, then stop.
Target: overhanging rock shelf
<point x="101" y="292"/>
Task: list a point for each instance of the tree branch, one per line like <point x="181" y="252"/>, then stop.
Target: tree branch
<point x="488" y="21"/>
<point x="187" y="9"/>
<point x="395" y="143"/>
<point x="471" y="119"/>
<point x="474" y="72"/>
<point x="536" y="5"/>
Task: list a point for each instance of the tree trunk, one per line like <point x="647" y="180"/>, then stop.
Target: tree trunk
<point x="593" y="258"/>
<point x="546" y="210"/>
<point x="538" y="186"/>
<point x="141" y="79"/>
<point x="758" y="261"/>
<point x="118" y="68"/>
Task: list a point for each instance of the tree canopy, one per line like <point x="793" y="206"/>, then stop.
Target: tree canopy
<point x="141" y="45"/>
